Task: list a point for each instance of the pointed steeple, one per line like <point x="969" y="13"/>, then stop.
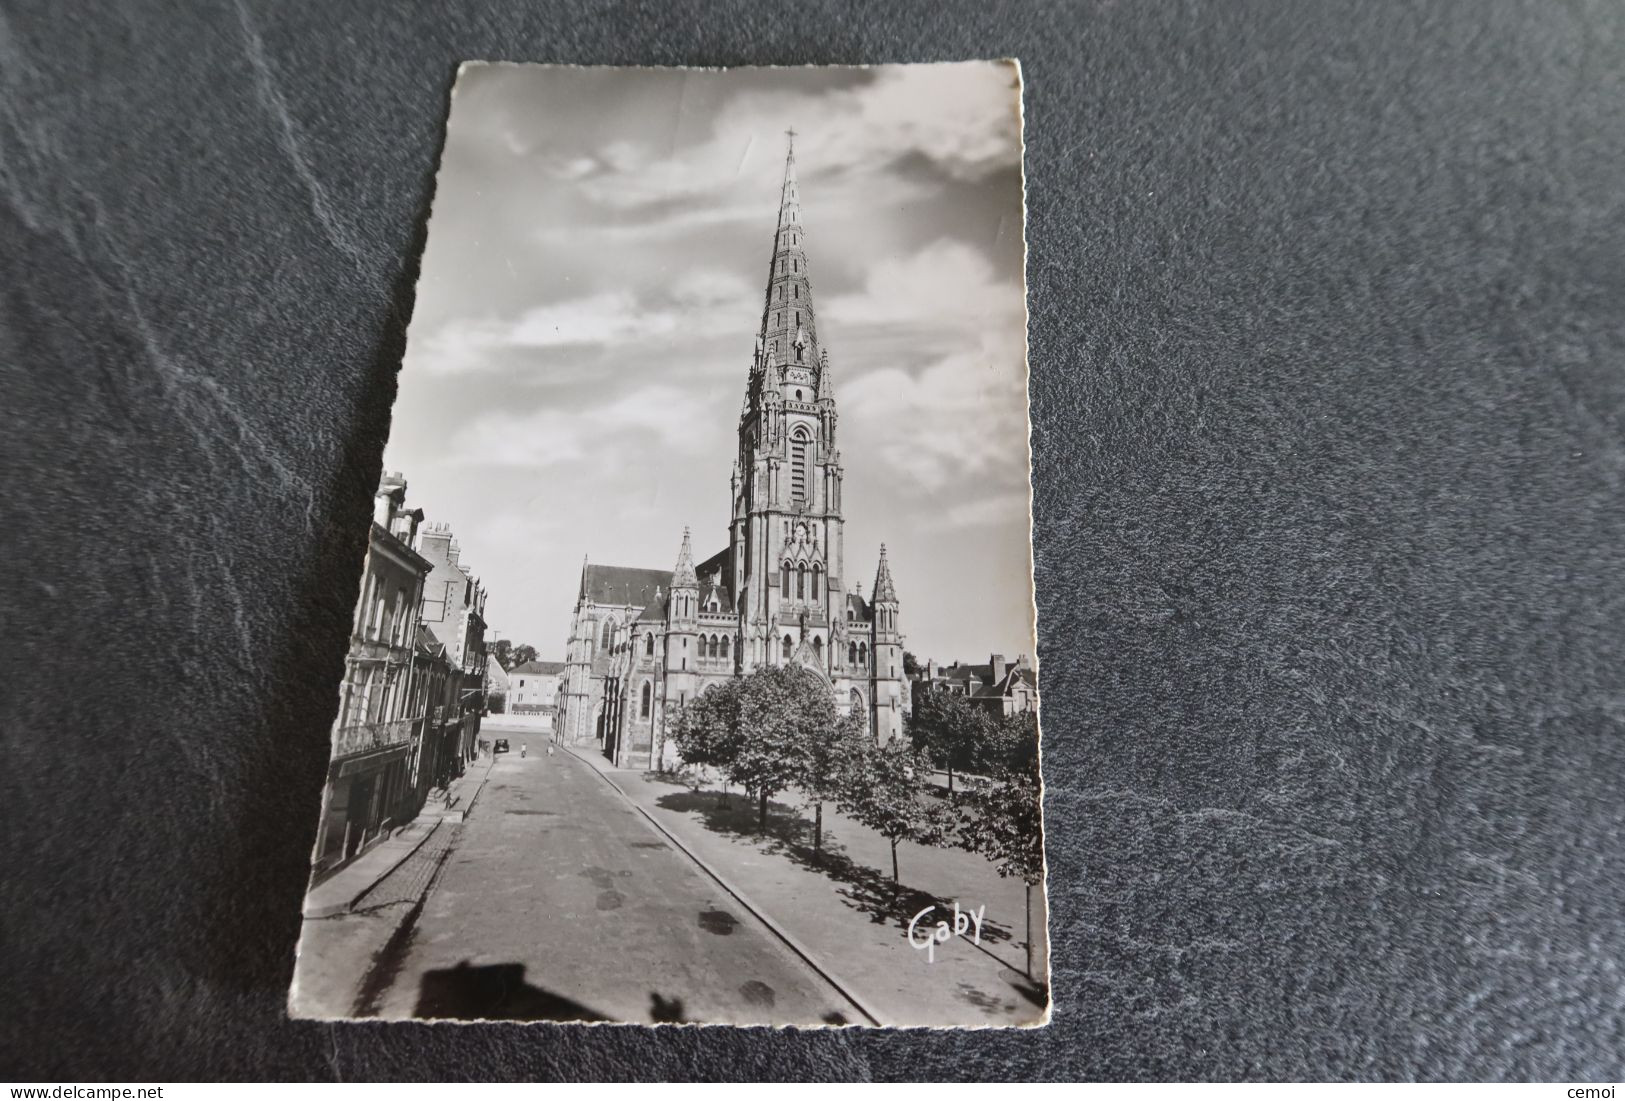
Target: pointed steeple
<point x="826" y="385"/>
<point x="884" y="592"/>
<point x="789" y="331"/>
<point x="683" y="576"/>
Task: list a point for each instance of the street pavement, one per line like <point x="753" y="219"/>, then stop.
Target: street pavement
<point x="558" y="901"/>
<point x="843" y="910"/>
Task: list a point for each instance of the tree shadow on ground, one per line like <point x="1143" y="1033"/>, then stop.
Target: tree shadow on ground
<point x="866" y="889"/>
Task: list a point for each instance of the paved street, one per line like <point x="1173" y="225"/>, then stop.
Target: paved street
<point x="558" y="901"/>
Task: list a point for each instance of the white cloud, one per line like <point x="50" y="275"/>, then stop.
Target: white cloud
<point x="947" y="286"/>
<point x="552" y="437"/>
<point x="1000" y="510"/>
<point x="963" y="417"/>
<point x="962" y="118"/>
<point x="705" y="304"/>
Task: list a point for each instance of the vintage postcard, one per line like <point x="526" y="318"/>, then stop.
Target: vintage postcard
<point x="693" y="673"/>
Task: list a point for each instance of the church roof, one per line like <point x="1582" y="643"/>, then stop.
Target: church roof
<point x="655" y="612"/>
<point x="858" y="606"/>
<point x="627" y="586"/>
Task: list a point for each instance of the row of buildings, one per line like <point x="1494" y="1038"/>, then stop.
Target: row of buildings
<point x="414" y="680"/>
<point x="1000" y="687"/>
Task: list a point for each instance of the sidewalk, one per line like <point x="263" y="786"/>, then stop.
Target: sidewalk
<point x="339" y="892"/>
<point x="844" y="913"/>
<point x="353" y="914"/>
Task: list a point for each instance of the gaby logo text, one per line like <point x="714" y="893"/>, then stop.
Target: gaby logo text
<point x="927" y="937"/>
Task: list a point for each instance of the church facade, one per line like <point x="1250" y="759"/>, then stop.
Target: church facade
<point x="645" y="641"/>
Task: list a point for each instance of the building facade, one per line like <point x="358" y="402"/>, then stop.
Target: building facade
<point x="780" y="591"/>
<point x="372" y="784"/>
<point x="454" y="610"/>
<point x="533" y="689"/>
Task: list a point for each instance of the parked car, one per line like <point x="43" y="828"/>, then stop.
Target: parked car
<point x="500" y="747"/>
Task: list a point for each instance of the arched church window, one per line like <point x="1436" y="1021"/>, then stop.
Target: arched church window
<point x="649" y="645"/>
<point x="818" y="650"/>
<point x="863" y="654"/>
<point x="800" y="449"/>
<point x="801" y="582"/>
<point x="787" y="645"/>
<point x="851" y="653"/>
<point x="815" y="572"/>
<point x="798" y="319"/>
<point x="716" y="647"/>
<point x="799" y="351"/>
<point x="785" y="576"/>
<point x="607" y="634"/>
<point x="724" y="645"/>
<point x="643" y="711"/>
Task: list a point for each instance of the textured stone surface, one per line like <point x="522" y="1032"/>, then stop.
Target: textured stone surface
<point x="1327" y="345"/>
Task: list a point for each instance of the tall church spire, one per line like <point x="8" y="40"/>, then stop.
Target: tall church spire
<point x="789" y="331"/>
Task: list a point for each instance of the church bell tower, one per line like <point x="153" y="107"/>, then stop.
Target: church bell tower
<point x="787" y="532"/>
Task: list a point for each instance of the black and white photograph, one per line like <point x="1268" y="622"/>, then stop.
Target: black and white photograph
<point x="693" y="677"/>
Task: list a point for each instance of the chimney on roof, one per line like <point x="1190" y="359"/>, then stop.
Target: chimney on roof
<point x="435" y="542"/>
<point x="999" y="667"/>
<point x="391" y="495"/>
<point x="931" y="669"/>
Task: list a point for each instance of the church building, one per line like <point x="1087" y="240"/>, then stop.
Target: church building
<point x="645" y="641"/>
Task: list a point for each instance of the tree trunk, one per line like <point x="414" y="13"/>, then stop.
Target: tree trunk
<point x="818" y="832"/>
<point x="950" y="781"/>
<point x="1037" y="936"/>
<point x="761" y="813"/>
<point x="894" y="862"/>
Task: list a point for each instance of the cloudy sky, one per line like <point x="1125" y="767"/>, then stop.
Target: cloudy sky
<point x="593" y="283"/>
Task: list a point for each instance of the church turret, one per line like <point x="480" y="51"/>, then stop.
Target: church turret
<point x="891" y="701"/>
<point x="683" y="577"/>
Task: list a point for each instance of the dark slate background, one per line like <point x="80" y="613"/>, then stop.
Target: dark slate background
<point x="1328" y="330"/>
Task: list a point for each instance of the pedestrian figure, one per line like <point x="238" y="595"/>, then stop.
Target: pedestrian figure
<point x="550" y="751"/>
<point x="522" y="748"/>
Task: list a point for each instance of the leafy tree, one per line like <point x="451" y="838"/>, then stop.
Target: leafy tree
<point x="706" y="728"/>
<point x="1000" y="817"/>
<point x="500" y="649"/>
<point x="911" y="665"/>
<point x="518" y="655"/>
<point x="1008" y="744"/>
<point x="833" y="759"/>
<point x="949" y="729"/>
<point x="887" y="792"/>
<point x="757" y="730"/>
<point x="782" y="712"/>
